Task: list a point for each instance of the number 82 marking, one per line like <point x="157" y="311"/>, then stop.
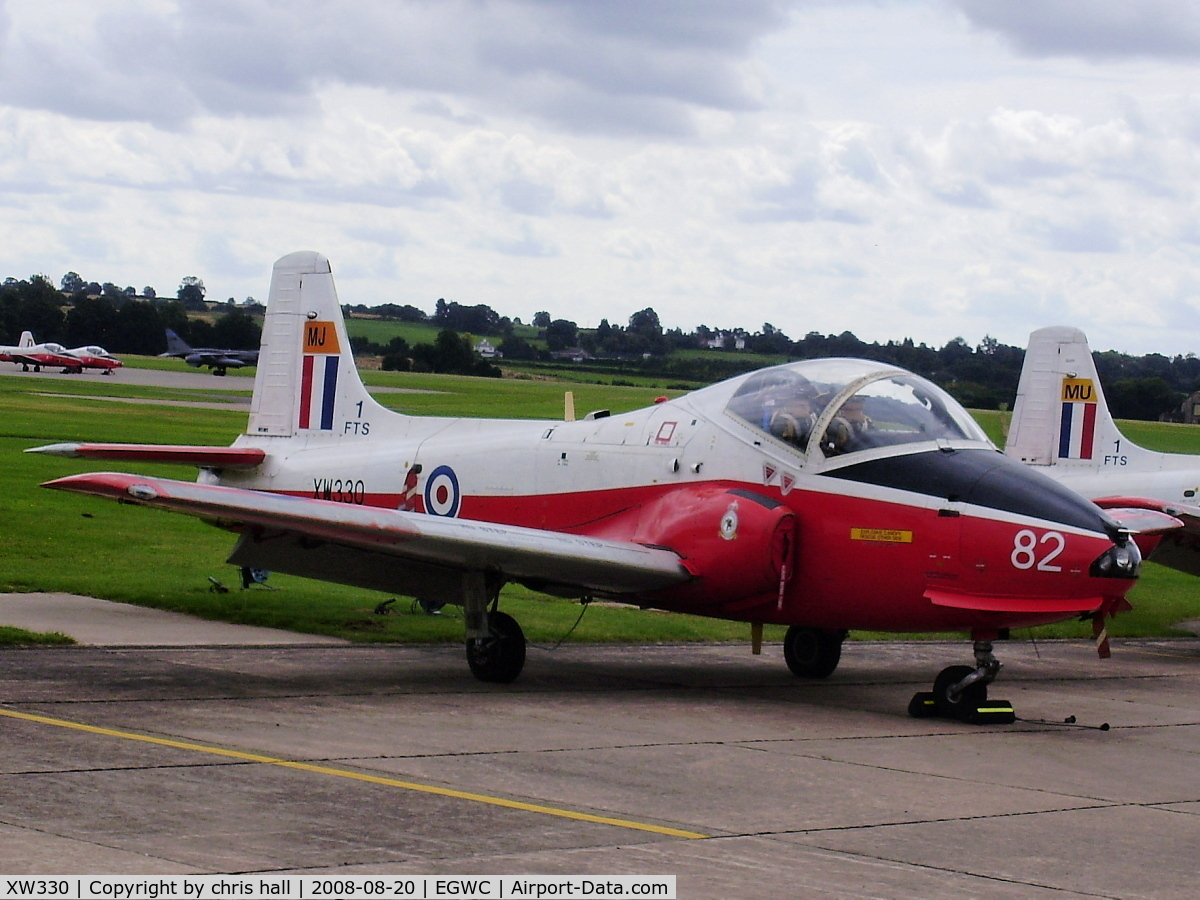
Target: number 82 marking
<point x="1024" y="544"/>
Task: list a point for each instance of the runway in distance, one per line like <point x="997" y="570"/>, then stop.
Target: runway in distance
<point x="1061" y="425"/>
<point x="825" y="495"/>
<point x="219" y="360"/>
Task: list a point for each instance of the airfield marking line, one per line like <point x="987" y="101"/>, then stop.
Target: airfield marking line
<point x="355" y="776"/>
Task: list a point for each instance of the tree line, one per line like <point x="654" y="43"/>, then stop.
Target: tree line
<point x="119" y="321"/>
<point x="985" y="376"/>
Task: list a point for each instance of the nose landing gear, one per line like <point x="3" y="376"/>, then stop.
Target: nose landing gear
<point x="960" y="692"/>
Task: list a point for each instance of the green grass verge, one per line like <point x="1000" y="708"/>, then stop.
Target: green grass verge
<point x="19" y="637"/>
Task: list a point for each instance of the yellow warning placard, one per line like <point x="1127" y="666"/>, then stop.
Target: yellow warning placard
<point x="321" y="337"/>
<point x="882" y="535"/>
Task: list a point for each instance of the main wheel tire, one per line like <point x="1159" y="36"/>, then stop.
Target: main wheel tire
<point x="964" y="705"/>
<point x="500" y="656"/>
<point x="811" y="652"/>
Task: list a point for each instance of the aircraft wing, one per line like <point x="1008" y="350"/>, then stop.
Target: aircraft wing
<point x="392" y="550"/>
<point x="1180" y="544"/>
<point x="43" y="359"/>
<point x="204" y="457"/>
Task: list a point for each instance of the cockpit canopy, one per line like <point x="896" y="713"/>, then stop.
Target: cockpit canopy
<point x="831" y="407"/>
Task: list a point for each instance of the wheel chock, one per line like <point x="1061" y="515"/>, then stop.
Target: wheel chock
<point x="921" y="706"/>
<point x="993" y="712"/>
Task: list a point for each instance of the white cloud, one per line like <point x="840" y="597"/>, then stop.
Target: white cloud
<point x="1110" y="30"/>
<point x="814" y="165"/>
<point x="625" y="67"/>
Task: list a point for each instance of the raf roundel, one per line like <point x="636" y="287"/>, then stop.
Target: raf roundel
<point x="441" y="492"/>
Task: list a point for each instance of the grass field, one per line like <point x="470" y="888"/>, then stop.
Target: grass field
<point x="381" y="331"/>
<point x="53" y="541"/>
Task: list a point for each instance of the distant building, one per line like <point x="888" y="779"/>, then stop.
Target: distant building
<point x="574" y="354"/>
<point x="485" y="350"/>
<point x="718" y="341"/>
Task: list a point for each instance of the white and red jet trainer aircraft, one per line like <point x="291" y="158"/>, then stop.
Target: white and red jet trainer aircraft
<point x="825" y="495"/>
<point x="93" y="357"/>
<point x="1061" y="424"/>
<point x="44" y="354"/>
<point x="8" y="354"/>
<point x="28" y="353"/>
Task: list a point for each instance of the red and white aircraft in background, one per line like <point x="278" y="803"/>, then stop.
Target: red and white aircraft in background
<point x="9" y="354"/>
<point x="826" y="495"/>
<point x="28" y="354"/>
<point x="1061" y="425"/>
<point x="36" y="356"/>
<point x="93" y="357"/>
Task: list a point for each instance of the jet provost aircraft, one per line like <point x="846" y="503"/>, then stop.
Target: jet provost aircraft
<point x="29" y="353"/>
<point x="39" y="355"/>
<point x="1062" y="426"/>
<point x="825" y="495"/>
<point x="93" y="357"/>
<point x="8" y="354"/>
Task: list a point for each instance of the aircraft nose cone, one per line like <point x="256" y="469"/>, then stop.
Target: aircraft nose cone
<point x="1014" y="487"/>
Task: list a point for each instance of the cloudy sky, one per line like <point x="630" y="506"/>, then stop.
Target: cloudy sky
<point x="897" y="169"/>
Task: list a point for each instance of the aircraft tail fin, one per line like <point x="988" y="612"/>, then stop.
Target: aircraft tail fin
<point x="176" y="344"/>
<point x="1061" y="416"/>
<point x="306" y="382"/>
<point x="27" y="339"/>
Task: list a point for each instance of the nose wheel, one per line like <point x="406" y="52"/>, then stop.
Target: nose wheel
<point x="960" y="692"/>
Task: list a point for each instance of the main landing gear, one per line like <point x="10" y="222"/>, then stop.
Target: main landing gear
<point x="495" y="642"/>
<point x="812" y="652"/>
<point x="500" y="655"/>
<point x="960" y="692"/>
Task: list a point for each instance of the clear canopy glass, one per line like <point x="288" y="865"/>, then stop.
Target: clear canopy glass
<point x="850" y="405"/>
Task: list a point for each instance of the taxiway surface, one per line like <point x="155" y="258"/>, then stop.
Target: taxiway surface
<point x="699" y="761"/>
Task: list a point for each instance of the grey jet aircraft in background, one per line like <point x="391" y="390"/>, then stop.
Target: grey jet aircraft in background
<point x="219" y="360"/>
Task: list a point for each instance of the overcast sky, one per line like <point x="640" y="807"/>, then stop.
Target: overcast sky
<point x="897" y="169"/>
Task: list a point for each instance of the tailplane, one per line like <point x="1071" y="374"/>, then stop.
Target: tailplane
<point x="27" y="339"/>
<point x="306" y="382"/>
<point x="1061" y="416"/>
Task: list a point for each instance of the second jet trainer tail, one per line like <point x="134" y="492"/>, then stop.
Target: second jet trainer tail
<point x="1061" y="421"/>
<point x="1061" y="417"/>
